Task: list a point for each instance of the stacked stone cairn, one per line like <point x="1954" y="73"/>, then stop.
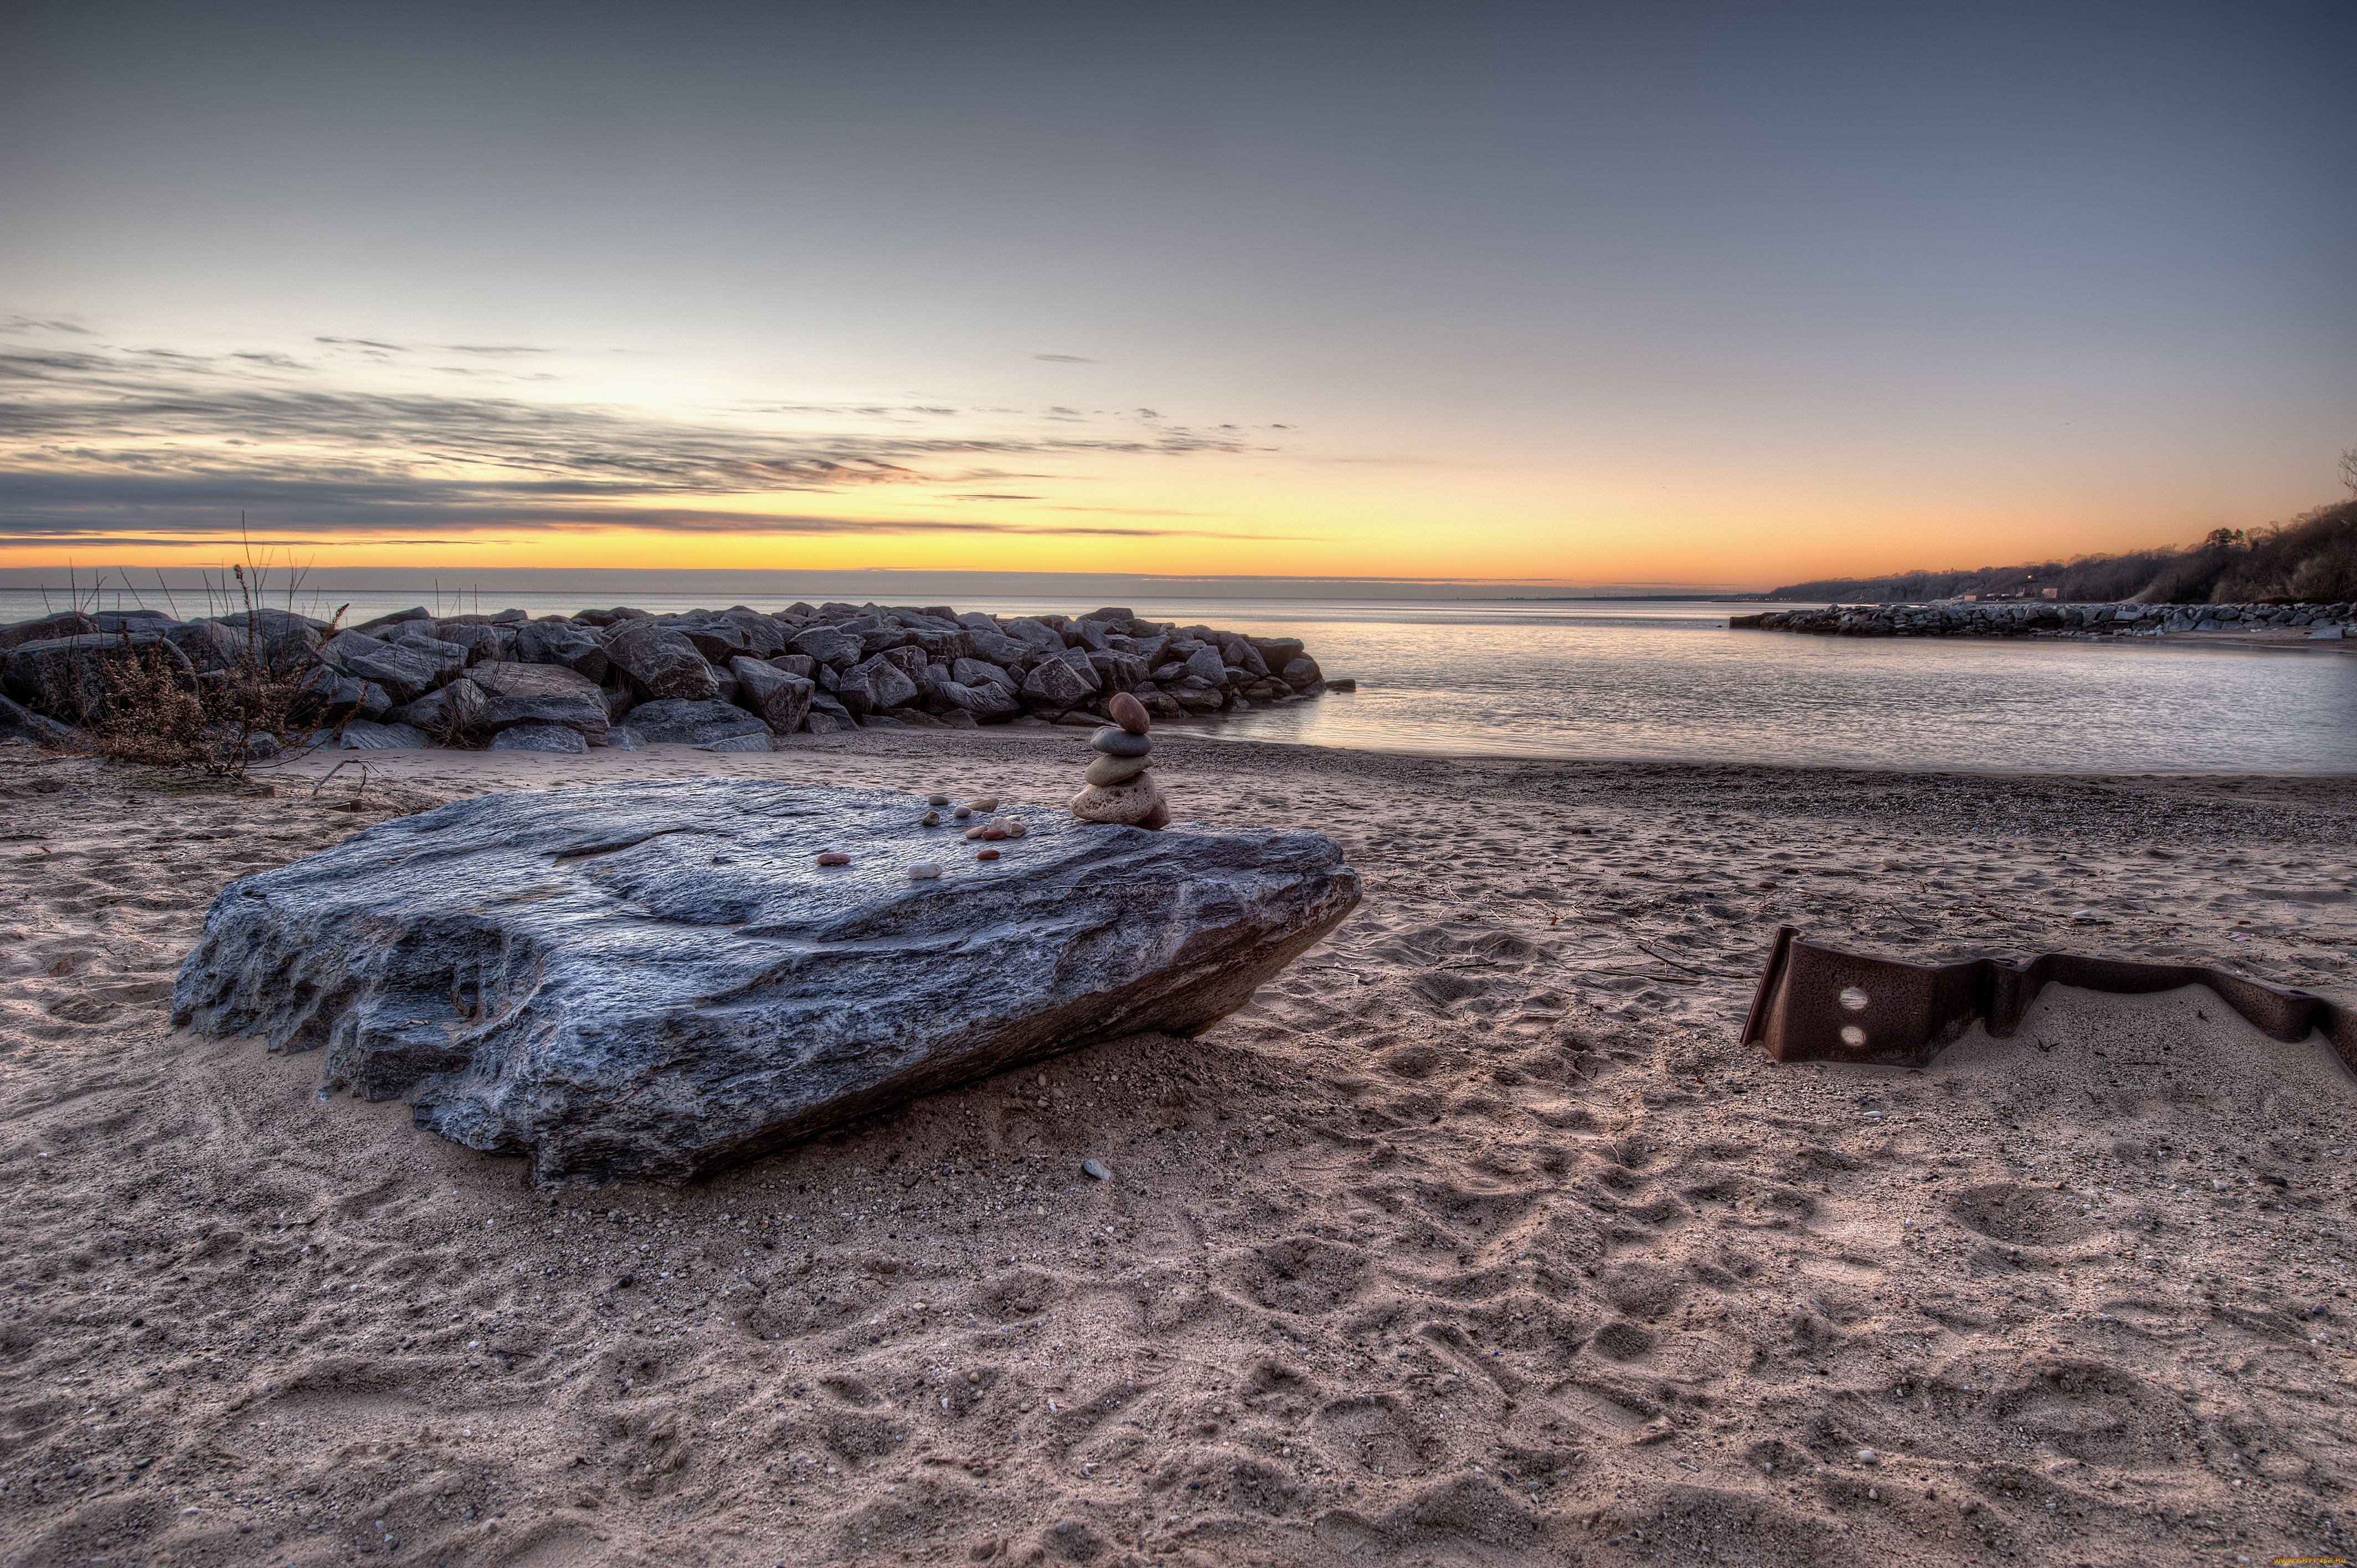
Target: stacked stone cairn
<point x="1119" y="785"/>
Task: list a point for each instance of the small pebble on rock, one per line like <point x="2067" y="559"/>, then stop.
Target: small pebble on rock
<point x="973" y="833"/>
<point x="924" y="871"/>
<point x="985" y="803"/>
<point x="962" y="812"/>
<point x="1096" y="1167"/>
<point x="994" y="832"/>
<point x="1014" y="828"/>
<point x="929" y="819"/>
<point x="833" y="857"/>
<point x="937" y="800"/>
<point x="987" y="854"/>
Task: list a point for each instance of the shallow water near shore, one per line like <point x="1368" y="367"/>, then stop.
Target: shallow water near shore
<point x="1667" y="681"/>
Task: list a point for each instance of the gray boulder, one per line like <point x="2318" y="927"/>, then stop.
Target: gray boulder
<point x="554" y="737"/>
<point x="874" y="685"/>
<point x="446" y="713"/>
<point x="405" y="672"/>
<point x="1060" y="682"/>
<point x="827" y="645"/>
<point x="976" y="673"/>
<point x="46" y="628"/>
<point x="581" y="712"/>
<point x="675" y="721"/>
<point x="359" y="734"/>
<point x="985" y="701"/>
<point x="1035" y="634"/>
<point x="68" y="677"/>
<point x="561" y="643"/>
<point x="531" y="681"/>
<point x="661" y="662"/>
<point x="655" y="980"/>
<point x="782" y="701"/>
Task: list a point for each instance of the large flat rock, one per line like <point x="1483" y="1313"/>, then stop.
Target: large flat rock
<point x="657" y="979"/>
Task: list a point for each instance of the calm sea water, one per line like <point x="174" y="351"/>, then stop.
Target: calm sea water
<point x="1668" y="681"/>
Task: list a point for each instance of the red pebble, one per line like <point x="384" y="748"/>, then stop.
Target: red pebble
<point x="994" y="832"/>
<point x="988" y="854"/>
<point x="834" y="857"/>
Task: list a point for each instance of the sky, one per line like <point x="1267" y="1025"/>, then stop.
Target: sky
<point x="1632" y="296"/>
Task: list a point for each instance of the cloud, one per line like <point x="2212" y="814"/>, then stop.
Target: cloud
<point x="1066" y="358"/>
<point x="20" y="324"/>
<point x="95" y="441"/>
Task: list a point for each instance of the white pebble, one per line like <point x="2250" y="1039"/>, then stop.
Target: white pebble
<point x="924" y="871"/>
<point x="1096" y="1168"/>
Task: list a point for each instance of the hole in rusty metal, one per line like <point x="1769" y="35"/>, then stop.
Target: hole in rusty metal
<point x="1853" y="999"/>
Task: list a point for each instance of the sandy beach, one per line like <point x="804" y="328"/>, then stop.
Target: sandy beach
<point x="1476" y="1237"/>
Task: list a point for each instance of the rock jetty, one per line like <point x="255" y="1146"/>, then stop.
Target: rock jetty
<point x="725" y="680"/>
<point x="2043" y="618"/>
<point x="661" y="979"/>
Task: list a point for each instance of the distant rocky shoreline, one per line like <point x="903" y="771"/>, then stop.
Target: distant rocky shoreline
<point x="726" y="679"/>
<point x="2035" y="618"/>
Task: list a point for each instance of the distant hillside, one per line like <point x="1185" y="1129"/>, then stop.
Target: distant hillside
<point x="2310" y="561"/>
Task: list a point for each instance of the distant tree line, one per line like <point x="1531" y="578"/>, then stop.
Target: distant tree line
<point x="2310" y="560"/>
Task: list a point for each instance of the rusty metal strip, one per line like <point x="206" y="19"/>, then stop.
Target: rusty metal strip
<point x="1818" y="1004"/>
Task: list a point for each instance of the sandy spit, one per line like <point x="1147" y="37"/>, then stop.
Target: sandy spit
<point x="1476" y="1239"/>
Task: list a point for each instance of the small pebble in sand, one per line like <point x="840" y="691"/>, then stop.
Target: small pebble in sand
<point x="1868" y="1457"/>
<point x="988" y="854"/>
<point x="937" y="800"/>
<point x="924" y="871"/>
<point x="1096" y="1168"/>
<point x="985" y="803"/>
<point x="929" y="819"/>
<point x="833" y="857"/>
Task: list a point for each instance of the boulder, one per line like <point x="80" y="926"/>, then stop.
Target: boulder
<point x="561" y="643"/>
<point x="676" y="721"/>
<point x="1059" y="683"/>
<point x="986" y="700"/>
<point x="359" y="734"/>
<point x="67" y="677"/>
<point x="827" y="645"/>
<point x="530" y="680"/>
<point x="874" y="685"/>
<point x="1035" y="634"/>
<point x="405" y="672"/>
<point x="781" y="700"/>
<point x="539" y="737"/>
<point x="976" y="673"/>
<point x="583" y="711"/>
<point x="46" y="628"/>
<point x="661" y="662"/>
<point x="655" y="980"/>
<point x="447" y="713"/>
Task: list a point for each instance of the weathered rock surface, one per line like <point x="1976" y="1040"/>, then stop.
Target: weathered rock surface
<point x="656" y="980"/>
<point x="677" y="722"/>
<point x="662" y="663"/>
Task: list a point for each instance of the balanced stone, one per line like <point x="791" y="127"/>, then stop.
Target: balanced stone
<point x="652" y="980"/>
<point x="1114" y="742"/>
<point x="1130" y="802"/>
<point x="1114" y="769"/>
<point x="1128" y="712"/>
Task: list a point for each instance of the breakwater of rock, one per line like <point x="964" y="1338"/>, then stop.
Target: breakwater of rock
<point x="733" y="679"/>
<point x="2036" y="617"/>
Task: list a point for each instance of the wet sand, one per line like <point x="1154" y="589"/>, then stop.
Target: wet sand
<point x="1476" y="1239"/>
